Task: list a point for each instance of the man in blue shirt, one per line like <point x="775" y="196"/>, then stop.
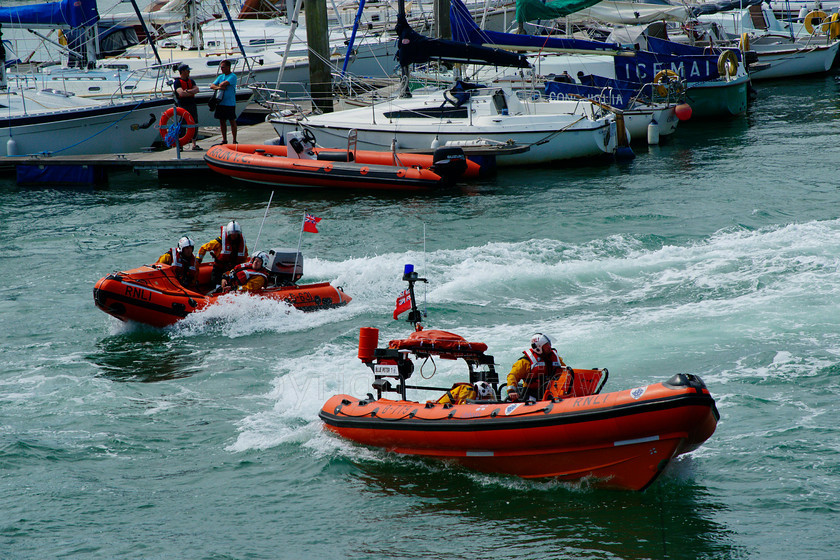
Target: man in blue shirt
<point x="226" y="110"/>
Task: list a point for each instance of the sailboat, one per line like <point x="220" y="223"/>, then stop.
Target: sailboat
<point x="712" y="88"/>
<point x="466" y="114"/>
<point x="49" y="121"/>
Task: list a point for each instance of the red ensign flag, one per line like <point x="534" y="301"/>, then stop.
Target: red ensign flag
<point x="309" y="223"/>
<point x="403" y="304"/>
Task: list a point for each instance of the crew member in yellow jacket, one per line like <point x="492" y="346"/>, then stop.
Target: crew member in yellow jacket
<point x="535" y="369"/>
<point x="247" y="277"/>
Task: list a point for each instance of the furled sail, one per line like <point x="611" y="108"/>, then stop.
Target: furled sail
<point x="64" y="14"/>
<point x="414" y="48"/>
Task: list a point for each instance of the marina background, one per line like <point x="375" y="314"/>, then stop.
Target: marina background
<point x="715" y="253"/>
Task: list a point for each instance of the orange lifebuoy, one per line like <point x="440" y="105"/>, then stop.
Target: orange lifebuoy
<point x="184" y="116"/>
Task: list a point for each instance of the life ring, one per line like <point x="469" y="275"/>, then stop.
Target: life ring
<point x="832" y="28"/>
<point x="744" y="43"/>
<point x="662" y="78"/>
<point x="727" y="64"/>
<point x="808" y="22"/>
<point x="185" y="117"/>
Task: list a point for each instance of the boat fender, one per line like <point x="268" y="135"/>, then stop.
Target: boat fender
<point x="653" y="133"/>
<point x="808" y="22"/>
<point x="11" y="147"/>
<point x="183" y="116"/>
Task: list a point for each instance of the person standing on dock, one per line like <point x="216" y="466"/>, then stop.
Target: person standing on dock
<point x="535" y="369"/>
<point x="185" y="90"/>
<point x="228" y="250"/>
<point x="226" y="110"/>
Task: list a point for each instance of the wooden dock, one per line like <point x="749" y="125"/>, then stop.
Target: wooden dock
<point x="165" y="163"/>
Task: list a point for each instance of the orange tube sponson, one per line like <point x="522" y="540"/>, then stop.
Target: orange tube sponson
<point x="369" y="169"/>
<point x="153" y="296"/>
<point x="621" y="439"/>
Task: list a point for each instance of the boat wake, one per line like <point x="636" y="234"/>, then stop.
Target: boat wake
<point x="640" y="305"/>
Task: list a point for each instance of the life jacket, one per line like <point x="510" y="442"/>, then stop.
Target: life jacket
<point x="183" y="84"/>
<point x="185" y="269"/>
<point x="229" y="252"/>
<point x="244" y="272"/>
<point x="539" y="367"/>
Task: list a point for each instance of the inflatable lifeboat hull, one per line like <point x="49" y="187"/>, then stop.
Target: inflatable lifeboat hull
<point x="270" y="165"/>
<point x="620" y="439"/>
<point x="151" y="295"/>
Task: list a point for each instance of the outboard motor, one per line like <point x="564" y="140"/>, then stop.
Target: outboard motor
<point x="298" y="146"/>
<point x="449" y="162"/>
<point x="285" y="266"/>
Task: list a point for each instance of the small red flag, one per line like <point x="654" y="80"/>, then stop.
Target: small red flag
<point x="309" y="223"/>
<point x="403" y="303"/>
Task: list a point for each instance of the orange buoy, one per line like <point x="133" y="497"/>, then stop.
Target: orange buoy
<point x="683" y="111"/>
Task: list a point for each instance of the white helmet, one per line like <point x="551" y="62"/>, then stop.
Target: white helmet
<point x="263" y="256"/>
<point x="185" y="242"/>
<point x="538" y="342"/>
<point x="233" y="227"/>
<point x="484" y="390"/>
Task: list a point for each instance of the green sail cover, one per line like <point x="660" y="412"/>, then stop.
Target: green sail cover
<point x="530" y="10"/>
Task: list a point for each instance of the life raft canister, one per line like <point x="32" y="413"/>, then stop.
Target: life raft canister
<point x="184" y="117"/>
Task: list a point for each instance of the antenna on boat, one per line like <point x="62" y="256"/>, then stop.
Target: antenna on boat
<point x="256" y="244"/>
<point x="411" y="277"/>
<point x="425" y="270"/>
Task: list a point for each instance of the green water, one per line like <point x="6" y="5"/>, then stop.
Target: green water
<point x="715" y="253"/>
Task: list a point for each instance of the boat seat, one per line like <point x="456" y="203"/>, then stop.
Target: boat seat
<point x="342" y="155"/>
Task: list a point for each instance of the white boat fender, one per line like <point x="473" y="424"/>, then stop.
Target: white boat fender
<point x="11" y="147"/>
<point x="653" y="133"/>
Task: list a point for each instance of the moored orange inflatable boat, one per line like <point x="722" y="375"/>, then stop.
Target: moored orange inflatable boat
<point x="622" y="439"/>
<point x="153" y="296"/>
<point x="331" y="168"/>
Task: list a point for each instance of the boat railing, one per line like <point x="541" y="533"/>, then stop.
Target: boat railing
<point x="281" y="103"/>
<point x="127" y="88"/>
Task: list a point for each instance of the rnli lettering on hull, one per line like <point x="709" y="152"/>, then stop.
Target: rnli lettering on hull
<point x="138" y="293"/>
<point x="593" y="400"/>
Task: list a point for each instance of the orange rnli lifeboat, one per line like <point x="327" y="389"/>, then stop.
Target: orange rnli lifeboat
<point x="301" y="164"/>
<point x="621" y="439"/>
<point x="152" y="295"/>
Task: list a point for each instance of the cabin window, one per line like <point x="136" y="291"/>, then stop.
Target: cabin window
<point x="429" y="113"/>
<point x="94" y="88"/>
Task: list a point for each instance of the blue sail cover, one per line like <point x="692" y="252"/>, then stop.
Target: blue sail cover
<point x="66" y="14"/>
<point x="465" y="30"/>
